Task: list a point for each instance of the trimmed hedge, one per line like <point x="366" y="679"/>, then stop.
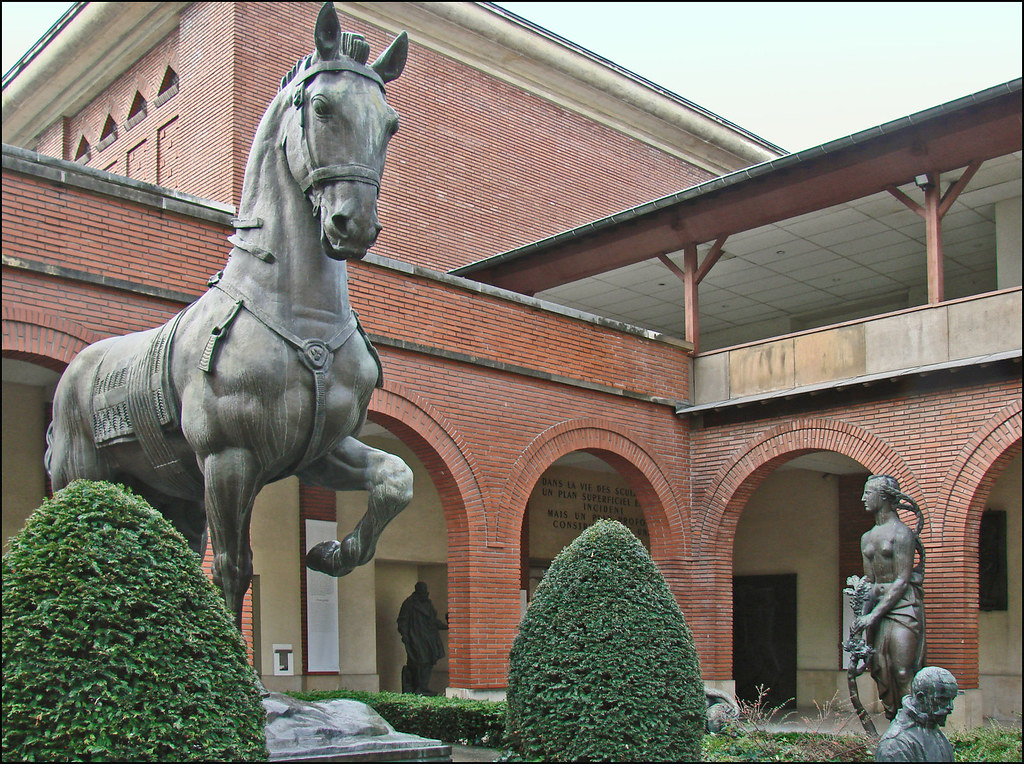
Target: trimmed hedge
<point x="451" y="720"/>
<point x="604" y="666"/>
<point x="116" y="645"/>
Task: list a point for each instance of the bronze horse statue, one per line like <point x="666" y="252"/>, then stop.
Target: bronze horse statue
<point x="268" y="374"/>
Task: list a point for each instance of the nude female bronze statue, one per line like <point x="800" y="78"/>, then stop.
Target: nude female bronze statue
<point x="892" y="615"/>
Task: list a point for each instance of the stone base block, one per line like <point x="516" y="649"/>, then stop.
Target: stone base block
<point x="340" y="730"/>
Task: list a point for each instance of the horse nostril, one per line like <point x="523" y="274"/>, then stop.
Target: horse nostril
<point x="376" y="231"/>
<point x="340" y="222"/>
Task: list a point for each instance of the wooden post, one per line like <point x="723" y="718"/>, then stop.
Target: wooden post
<point x="691" y="304"/>
<point x="936" y="205"/>
<point x="933" y="239"/>
<point x="691" y="276"/>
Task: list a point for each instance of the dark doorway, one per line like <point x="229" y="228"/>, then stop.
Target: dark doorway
<point x="764" y="638"/>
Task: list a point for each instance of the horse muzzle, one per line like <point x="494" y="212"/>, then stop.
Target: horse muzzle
<point x="348" y="231"/>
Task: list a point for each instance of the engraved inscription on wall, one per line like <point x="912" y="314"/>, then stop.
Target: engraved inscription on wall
<point x="566" y="501"/>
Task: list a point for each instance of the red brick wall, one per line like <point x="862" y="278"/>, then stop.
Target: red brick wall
<point x="477" y="168"/>
<point x="854" y="522"/>
<point x="48" y="222"/>
<point x="475" y="385"/>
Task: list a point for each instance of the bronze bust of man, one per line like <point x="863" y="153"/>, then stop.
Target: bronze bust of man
<point x="914" y="734"/>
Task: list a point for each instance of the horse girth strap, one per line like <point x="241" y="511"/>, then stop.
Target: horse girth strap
<point x="315" y="354"/>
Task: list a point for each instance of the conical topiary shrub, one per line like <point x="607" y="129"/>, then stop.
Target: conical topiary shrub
<point x="116" y="645"/>
<point x="604" y="667"/>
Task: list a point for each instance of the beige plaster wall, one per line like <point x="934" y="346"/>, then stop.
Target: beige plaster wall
<point x="357" y="629"/>
<point x="1008" y="243"/>
<point x="958" y="329"/>
<point x="24" y="430"/>
<point x="419" y="534"/>
<point x="791" y="525"/>
<point x="999" y="632"/>
<point x="275" y="544"/>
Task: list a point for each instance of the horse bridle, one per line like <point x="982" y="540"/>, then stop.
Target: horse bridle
<point x="312" y="174"/>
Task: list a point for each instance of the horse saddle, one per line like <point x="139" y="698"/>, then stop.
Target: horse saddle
<point x="132" y="400"/>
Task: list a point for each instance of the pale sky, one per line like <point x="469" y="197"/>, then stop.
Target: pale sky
<point x="796" y="74"/>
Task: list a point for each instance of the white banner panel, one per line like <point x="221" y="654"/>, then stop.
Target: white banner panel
<point x="321" y="605"/>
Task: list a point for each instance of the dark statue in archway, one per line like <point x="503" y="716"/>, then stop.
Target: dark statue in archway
<point x="421" y="634"/>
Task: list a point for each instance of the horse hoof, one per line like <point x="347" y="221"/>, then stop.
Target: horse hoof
<point x="323" y="556"/>
<point x="327" y="556"/>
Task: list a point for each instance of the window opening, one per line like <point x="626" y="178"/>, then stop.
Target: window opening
<point x="168" y="87"/>
<point x="83" y="151"/>
<point x="109" y="134"/>
<point x="138" y="111"/>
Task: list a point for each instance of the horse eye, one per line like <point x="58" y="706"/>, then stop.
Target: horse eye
<point x="321" y="106"/>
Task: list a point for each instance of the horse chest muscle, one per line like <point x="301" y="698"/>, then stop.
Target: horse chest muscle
<point x="269" y="405"/>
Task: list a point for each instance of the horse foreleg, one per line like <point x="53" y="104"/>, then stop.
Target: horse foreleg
<point x="231" y="488"/>
<point x="189" y="518"/>
<point x="354" y="466"/>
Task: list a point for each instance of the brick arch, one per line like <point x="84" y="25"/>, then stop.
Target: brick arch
<point x="752" y="462"/>
<point x="968" y="482"/>
<point x="731" y="489"/>
<point x="621" y="449"/>
<point x="953" y="606"/>
<point x="442" y="450"/>
<point x="44" y="339"/>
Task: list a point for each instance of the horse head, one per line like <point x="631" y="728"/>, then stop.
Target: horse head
<point x="336" y="140"/>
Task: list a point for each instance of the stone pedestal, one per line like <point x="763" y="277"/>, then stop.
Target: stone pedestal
<point x="340" y="730"/>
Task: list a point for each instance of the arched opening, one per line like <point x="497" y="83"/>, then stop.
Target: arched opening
<point x="796" y="542"/>
<point x="573" y="493"/>
<point x="999" y="590"/>
<point x="413" y="548"/>
<point x="342" y="632"/>
<point x="27" y="400"/>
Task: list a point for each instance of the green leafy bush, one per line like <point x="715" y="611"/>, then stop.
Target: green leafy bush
<point x="990" y="743"/>
<point x="604" y="666"/>
<point x="116" y="645"/>
<point x="452" y="720"/>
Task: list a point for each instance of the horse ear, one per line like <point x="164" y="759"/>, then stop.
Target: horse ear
<point x="392" y="61"/>
<point x="327" y="33"/>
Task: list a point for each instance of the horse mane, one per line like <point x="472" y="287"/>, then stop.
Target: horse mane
<point x="353" y="46"/>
